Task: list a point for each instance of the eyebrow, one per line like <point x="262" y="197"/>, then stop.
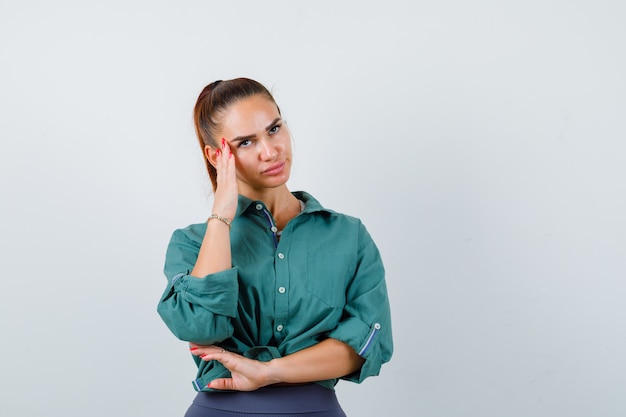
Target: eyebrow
<point x="252" y="136"/>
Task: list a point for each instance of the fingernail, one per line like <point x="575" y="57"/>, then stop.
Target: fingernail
<point x="223" y="143"/>
<point x="218" y="152"/>
<point x="193" y="348"/>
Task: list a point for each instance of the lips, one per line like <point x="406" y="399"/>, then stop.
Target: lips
<point x="275" y="169"/>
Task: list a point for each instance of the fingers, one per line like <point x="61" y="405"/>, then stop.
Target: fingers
<point x="246" y="374"/>
<point x="193" y="346"/>
<point x="222" y="383"/>
<point x="222" y="157"/>
<point x="226" y="193"/>
<point x="205" y="352"/>
<point x="217" y="354"/>
<point x="223" y="154"/>
<point x="226" y="148"/>
<point x="225" y="163"/>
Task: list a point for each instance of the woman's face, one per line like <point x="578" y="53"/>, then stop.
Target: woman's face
<point x="260" y="142"/>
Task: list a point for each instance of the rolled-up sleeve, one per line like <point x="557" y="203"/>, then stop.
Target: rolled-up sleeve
<point x="366" y="323"/>
<point x="196" y="310"/>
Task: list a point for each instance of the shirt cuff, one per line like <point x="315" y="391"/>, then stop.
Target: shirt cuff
<point x="364" y="340"/>
<point x="219" y="292"/>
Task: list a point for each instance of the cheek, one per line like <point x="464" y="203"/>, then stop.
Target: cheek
<point x="241" y="164"/>
<point x="285" y="144"/>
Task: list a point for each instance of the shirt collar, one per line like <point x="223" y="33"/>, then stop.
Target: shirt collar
<point x="310" y="203"/>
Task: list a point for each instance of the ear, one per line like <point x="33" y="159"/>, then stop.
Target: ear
<point x="210" y="154"/>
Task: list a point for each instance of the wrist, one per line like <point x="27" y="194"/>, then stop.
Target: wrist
<point x="222" y="219"/>
<point x="224" y="210"/>
<point x="274" y="371"/>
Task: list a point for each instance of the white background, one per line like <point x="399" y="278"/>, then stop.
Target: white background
<point x="481" y="142"/>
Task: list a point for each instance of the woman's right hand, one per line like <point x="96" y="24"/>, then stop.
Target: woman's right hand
<point x="214" y="254"/>
<point x="226" y="193"/>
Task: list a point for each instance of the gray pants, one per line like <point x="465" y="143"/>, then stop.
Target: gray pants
<point x="310" y="400"/>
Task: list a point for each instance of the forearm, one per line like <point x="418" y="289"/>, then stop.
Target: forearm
<point x="214" y="255"/>
<point x="326" y="360"/>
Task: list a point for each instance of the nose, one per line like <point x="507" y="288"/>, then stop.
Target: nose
<point x="267" y="152"/>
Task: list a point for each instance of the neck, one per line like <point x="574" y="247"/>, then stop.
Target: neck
<point x="279" y="201"/>
<point x="275" y="199"/>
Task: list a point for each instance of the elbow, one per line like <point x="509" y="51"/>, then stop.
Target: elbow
<point x="202" y="336"/>
<point x="203" y="331"/>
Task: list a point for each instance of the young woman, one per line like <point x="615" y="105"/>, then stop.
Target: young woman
<point x="277" y="296"/>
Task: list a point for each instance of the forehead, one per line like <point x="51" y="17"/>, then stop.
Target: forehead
<point x="249" y="115"/>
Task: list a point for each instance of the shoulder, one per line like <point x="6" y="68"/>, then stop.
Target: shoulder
<point x="193" y="233"/>
<point x="313" y="206"/>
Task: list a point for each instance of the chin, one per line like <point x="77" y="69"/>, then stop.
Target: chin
<point x="277" y="181"/>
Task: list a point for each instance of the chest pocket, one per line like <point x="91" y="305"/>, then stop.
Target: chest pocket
<point x="327" y="275"/>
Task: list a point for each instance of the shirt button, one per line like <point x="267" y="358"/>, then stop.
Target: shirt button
<point x="281" y="290"/>
<point x="274" y="229"/>
<point x="281" y="256"/>
<point x="279" y="328"/>
<point x="377" y="326"/>
<point x="259" y="206"/>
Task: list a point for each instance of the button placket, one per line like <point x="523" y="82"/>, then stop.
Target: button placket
<point x="282" y="299"/>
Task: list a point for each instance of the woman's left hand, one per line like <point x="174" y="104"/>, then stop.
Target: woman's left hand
<point x="246" y="374"/>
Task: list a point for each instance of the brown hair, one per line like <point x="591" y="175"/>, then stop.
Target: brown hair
<point x="215" y="98"/>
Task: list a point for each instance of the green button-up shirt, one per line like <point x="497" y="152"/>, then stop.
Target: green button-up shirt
<point x="323" y="278"/>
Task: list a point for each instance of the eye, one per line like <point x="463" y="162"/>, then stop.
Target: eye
<point x="244" y="143"/>
<point x="274" y="129"/>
